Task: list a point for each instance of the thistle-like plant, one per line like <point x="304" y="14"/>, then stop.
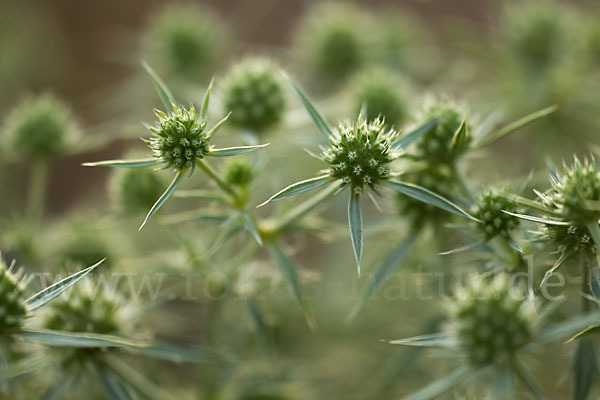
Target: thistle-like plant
<point x="180" y="142"/>
<point x="358" y="158"/>
<point x="491" y="326"/>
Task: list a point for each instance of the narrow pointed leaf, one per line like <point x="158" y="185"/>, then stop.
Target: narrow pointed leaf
<point x="194" y="216"/>
<point x="459" y="137"/>
<point x="432" y="340"/>
<point x="407" y="139"/>
<point x="263" y="334"/>
<point x="179" y="355"/>
<point x="252" y="228"/>
<point x="530" y="382"/>
<point x="539" y="220"/>
<point x="557" y="264"/>
<point x="565" y="329"/>
<point x="534" y="205"/>
<point x="592" y="330"/>
<point x="77" y="339"/>
<point x="115" y="389"/>
<point x="43" y="297"/>
<point x="204" y="109"/>
<point x="312" y="111"/>
<point x="429" y="197"/>
<point x="218" y="125"/>
<point x="141" y="163"/>
<point x="585" y="367"/>
<point x="163" y="91"/>
<point x="355" y="222"/>
<point x="512" y="127"/>
<point x="299" y="187"/>
<point x="461" y="249"/>
<point x="594" y="230"/>
<point x="434" y="390"/>
<point x="288" y="270"/>
<point x="136" y="380"/>
<point x="164" y="197"/>
<point x="232" y="151"/>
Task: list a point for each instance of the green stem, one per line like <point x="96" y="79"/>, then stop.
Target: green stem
<point x="298" y="212"/>
<point x="37" y="188"/>
<point x="212" y="174"/>
<point x="462" y="183"/>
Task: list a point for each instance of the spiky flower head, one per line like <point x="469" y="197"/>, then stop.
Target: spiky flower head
<point x="136" y="189"/>
<point x="576" y="191"/>
<point x="489" y="210"/>
<point x="12" y="298"/>
<point x="179" y="138"/>
<point x="332" y="40"/>
<point x="570" y="238"/>
<point x="490" y="322"/>
<point x="536" y="33"/>
<point x="40" y="127"/>
<point x="254" y="94"/>
<point x="239" y="171"/>
<point x="437" y="146"/>
<point x="383" y="94"/>
<point x="360" y="152"/>
<point x="185" y="39"/>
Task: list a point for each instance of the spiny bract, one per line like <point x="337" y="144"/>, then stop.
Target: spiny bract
<point x="575" y="192"/>
<point x="179" y="138"/>
<point x="435" y="147"/>
<point x="490" y="206"/>
<point x="490" y="322"/>
<point x="41" y="127"/>
<point x="360" y="152"/>
<point x="254" y="94"/>
<point x="382" y="93"/>
<point x="12" y="299"/>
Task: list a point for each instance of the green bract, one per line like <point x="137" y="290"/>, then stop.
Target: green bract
<point x="491" y="325"/>
<point x="490" y="208"/>
<point x="179" y="138"/>
<point x="360" y="153"/>
<point x="254" y="94"/>
<point x="13" y="309"/>
<point x="382" y="93"/>
<point x="40" y="127"/>
<point x="186" y="39"/>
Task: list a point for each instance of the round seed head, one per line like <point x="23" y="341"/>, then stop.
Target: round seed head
<point x="435" y="146"/>
<point x="571" y="238"/>
<point x="40" y="127"/>
<point x="179" y="138"/>
<point x="83" y="245"/>
<point x="332" y="40"/>
<point x="136" y="189"/>
<point x="360" y="153"/>
<point x="254" y="94"/>
<point x="185" y="39"/>
<point x="490" y="323"/>
<point x="239" y="171"/>
<point x="383" y="95"/>
<point x="12" y="299"/>
<point x="490" y="206"/>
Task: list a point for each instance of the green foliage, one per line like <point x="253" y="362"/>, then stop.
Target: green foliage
<point x="12" y="292"/>
<point x="490" y="208"/>
<point x="254" y="94"/>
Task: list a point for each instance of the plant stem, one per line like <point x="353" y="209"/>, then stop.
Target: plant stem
<point x="212" y="174"/>
<point x="460" y="179"/>
<point x="298" y="212"/>
<point x="38" y="177"/>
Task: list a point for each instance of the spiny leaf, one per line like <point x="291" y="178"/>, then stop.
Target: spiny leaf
<point x="164" y="197"/>
<point x="539" y="220"/>
<point x="194" y="215"/>
<point x="77" y="339"/>
<point x="116" y="389"/>
<point x="530" y="382"/>
<point x="594" y="230"/>
<point x="441" y="386"/>
<point x="392" y="262"/>
<point x="534" y="205"/>
<point x="178" y="355"/>
<point x="204" y="109"/>
<point x="557" y="264"/>
<point x="299" y="187"/>
<point x="461" y="249"/>
<point x="141" y="163"/>
<point x="251" y="227"/>
<point x="218" y="125"/>
<point x="568" y="328"/>
<point x="312" y="111"/>
<point x="263" y="333"/>
<point x="355" y="222"/>
<point x="585" y="367"/>
<point x="163" y="91"/>
<point x="405" y="140"/>
<point x="518" y="124"/>
<point x="232" y="151"/>
<point x="460" y="135"/>
<point x="288" y="270"/>
<point x="429" y="197"/>
<point x="432" y="340"/>
<point x="591" y="330"/>
<point x="43" y="297"/>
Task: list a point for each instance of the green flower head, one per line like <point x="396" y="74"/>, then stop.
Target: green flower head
<point x="12" y="299"/>
<point x="136" y="189"/>
<point x="40" y="127"/>
<point x="239" y="172"/>
<point x="360" y="152"/>
<point x="179" y="138"/>
<point x="489" y="209"/>
<point x="438" y="146"/>
<point x="489" y="323"/>
<point x="254" y="94"/>
<point x="382" y="93"/>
